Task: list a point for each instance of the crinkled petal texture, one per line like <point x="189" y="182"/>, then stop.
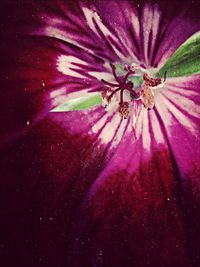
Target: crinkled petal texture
<point x="88" y="188"/>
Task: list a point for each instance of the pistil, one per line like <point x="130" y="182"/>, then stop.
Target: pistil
<point x="122" y="84"/>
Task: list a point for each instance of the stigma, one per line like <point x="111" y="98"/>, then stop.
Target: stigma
<point x="113" y="93"/>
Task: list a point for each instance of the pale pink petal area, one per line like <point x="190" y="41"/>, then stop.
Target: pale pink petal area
<point x="182" y="120"/>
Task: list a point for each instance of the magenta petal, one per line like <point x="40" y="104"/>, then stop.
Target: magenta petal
<point x="132" y="215"/>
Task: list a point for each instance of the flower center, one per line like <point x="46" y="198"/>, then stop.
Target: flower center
<point x="143" y="92"/>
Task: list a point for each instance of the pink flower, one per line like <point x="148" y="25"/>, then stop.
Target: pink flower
<point x="119" y="192"/>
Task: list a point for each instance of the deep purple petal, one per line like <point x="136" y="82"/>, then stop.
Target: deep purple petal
<point x="133" y="215"/>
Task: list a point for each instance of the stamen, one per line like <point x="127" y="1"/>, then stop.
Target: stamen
<point x="151" y="81"/>
<point x="145" y="93"/>
<point x="108" y="83"/>
<point x="147" y="97"/>
<point x="104" y="93"/>
<point x="126" y="77"/>
<point x="121" y="96"/>
<point x="128" y="89"/>
<point x="122" y="85"/>
<point x="114" y="73"/>
<point x="105" y="96"/>
<point x="129" y="68"/>
<point x="112" y="94"/>
<point x="124" y="109"/>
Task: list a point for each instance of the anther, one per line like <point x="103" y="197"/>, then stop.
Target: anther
<point x="124" y="109"/>
<point x="152" y="82"/>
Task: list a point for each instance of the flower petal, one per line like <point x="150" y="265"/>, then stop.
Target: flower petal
<point x="132" y="210"/>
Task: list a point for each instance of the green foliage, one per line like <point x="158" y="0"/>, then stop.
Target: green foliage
<point x="186" y="59"/>
<point x="80" y="103"/>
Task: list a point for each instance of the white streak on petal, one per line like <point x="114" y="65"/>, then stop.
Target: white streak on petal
<point x="100" y="123"/>
<point x="57" y="92"/>
<point x="137" y="124"/>
<point x="89" y="16"/>
<point x="147" y="20"/>
<point x="157" y="132"/>
<point x="128" y="42"/>
<point x="162" y="109"/>
<point x="118" y="53"/>
<point x="110" y="129"/>
<point x="61" y="98"/>
<point x="135" y="110"/>
<point x="105" y="31"/>
<point x="182" y="92"/>
<point x="167" y="45"/>
<point x="165" y="57"/>
<point x="61" y="35"/>
<point x="184" y="103"/>
<point x="183" y="80"/>
<point x="180" y="117"/>
<point x="155" y="27"/>
<point x="101" y="75"/>
<point x="146" y="139"/>
<point x="65" y="64"/>
<point x="120" y="133"/>
<point x="136" y="25"/>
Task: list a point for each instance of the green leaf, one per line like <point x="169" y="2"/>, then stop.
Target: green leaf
<point x="80" y="103"/>
<point x="186" y="59"/>
<point x="137" y="80"/>
<point x="120" y="68"/>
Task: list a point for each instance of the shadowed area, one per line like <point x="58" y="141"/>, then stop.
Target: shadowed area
<point x="142" y="218"/>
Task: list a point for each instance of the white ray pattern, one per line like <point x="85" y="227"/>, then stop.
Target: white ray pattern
<point x="170" y="103"/>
